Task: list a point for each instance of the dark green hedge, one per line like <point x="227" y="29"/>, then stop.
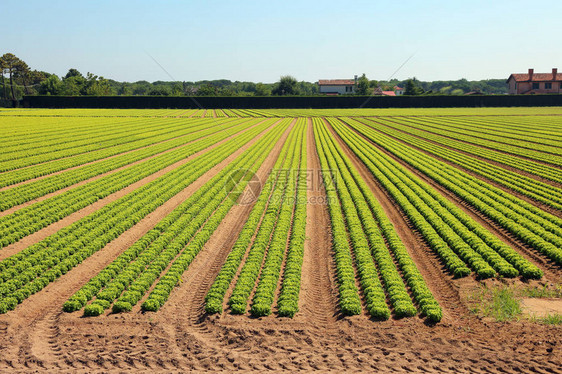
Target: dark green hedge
<point x="271" y="102"/>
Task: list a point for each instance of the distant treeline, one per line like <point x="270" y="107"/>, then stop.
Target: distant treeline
<point x="18" y="80"/>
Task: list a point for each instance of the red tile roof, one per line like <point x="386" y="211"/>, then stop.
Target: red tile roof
<point x="389" y="93"/>
<point x="336" y="82"/>
<point x="537" y="77"/>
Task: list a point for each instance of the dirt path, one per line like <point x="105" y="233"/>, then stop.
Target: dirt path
<point x="56" y="226"/>
<point x="318" y="301"/>
<point x="186" y="304"/>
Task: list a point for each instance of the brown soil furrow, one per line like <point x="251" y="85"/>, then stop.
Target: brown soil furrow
<point x="193" y="115"/>
<point x="54" y="227"/>
<point x="441" y="284"/>
<point x="290" y="233"/>
<point x="529" y="200"/>
<point x="270" y="239"/>
<point x="357" y="276"/>
<point x="489" y="161"/>
<point x="318" y="301"/>
<point x="230" y="289"/>
<point x="551" y="270"/>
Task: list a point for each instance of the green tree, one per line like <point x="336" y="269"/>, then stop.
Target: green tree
<point x="51" y="86"/>
<point x="21" y="75"/>
<point x="73" y="85"/>
<point x="159" y="91"/>
<point x="413" y="88"/>
<point x="35" y="79"/>
<point x="96" y="86"/>
<point x="73" y="73"/>
<point x="177" y="89"/>
<point x="262" y="90"/>
<point x="287" y="85"/>
<point x="124" y="89"/>
<point x="207" y="90"/>
<point x="362" y="85"/>
<point x="12" y="65"/>
<point x="373" y="84"/>
<point x="3" y="70"/>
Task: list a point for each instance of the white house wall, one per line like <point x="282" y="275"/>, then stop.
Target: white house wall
<point x="333" y="89"/>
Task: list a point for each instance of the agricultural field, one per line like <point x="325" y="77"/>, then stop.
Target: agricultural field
<point x="404" y="240"/>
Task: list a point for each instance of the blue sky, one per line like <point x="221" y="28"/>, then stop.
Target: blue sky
<point x="261" y="40"/>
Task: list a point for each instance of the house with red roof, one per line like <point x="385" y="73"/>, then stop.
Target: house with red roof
<point x="337" y="86"/>
<point x="535" y="83"/>
<point x="379" y="92"/>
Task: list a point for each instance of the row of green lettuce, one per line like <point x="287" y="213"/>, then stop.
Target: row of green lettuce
<point x="124" y="282"/>
<point x="31" y="218"/>
<point x="460" y="241"/>
<point x="33" y="268"/>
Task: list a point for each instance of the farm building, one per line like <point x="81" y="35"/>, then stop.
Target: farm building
<point x="535" y="83"/>
<point x="337" y="86"/>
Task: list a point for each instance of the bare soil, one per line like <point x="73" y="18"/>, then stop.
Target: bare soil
<point x="541" y="307"/>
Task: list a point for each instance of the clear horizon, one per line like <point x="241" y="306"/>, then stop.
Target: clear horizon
<point x="258" y="42"/>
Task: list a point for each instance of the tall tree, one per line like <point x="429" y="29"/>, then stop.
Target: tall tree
<point x="73" y="73"/>
<point x="22" y="72"/>
<point x="11" y="63"/>
<point x="2" y="71"/>
<point x="413" y="88"/>
<point x="363" y="85"/>
<point x="287" y="85"/>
